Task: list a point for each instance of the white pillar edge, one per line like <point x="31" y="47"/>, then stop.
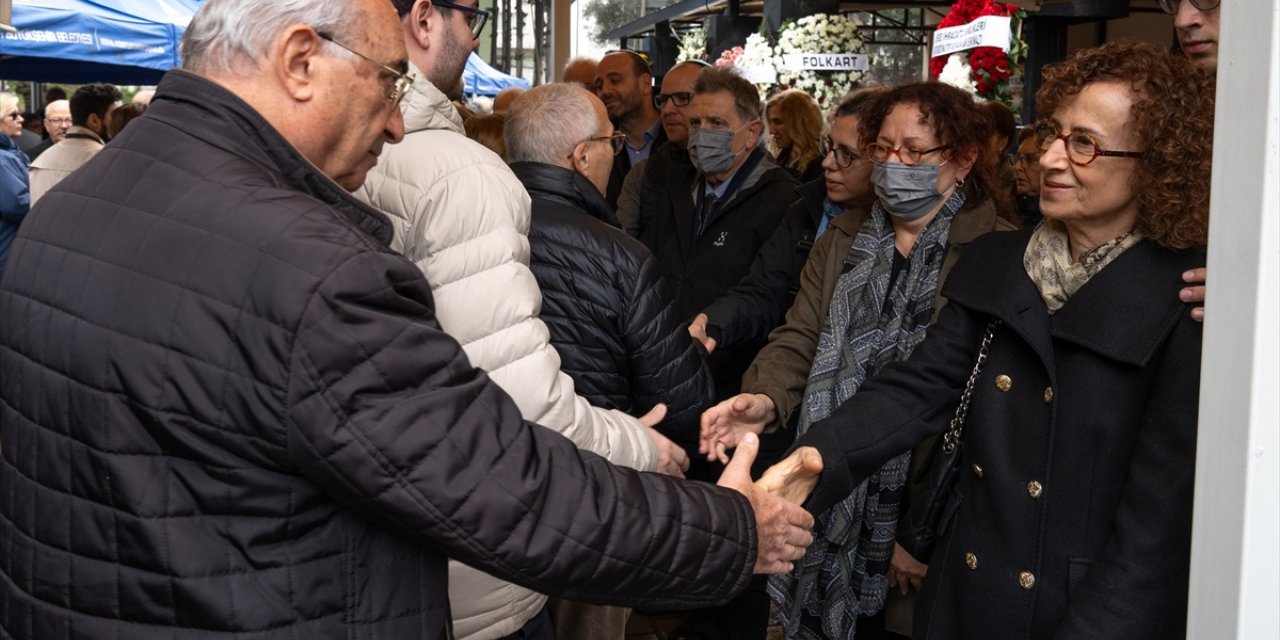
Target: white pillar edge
<point x="561" y="36"/>
<point x="1235" y="551"/>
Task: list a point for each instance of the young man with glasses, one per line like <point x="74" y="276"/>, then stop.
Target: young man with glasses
<point x="647" y="180"/>
<point x="460" y="215"/>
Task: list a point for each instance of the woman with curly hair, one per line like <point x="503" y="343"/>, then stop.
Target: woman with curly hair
<point x="905" y="165"/>
<point x="1068" y="369"/>
<point x="795" y="124"/>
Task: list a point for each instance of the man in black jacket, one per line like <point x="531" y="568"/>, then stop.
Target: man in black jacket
<point x="610" y="312"/>
<point x="227" y="410"/>
<point x="717" y="215"/>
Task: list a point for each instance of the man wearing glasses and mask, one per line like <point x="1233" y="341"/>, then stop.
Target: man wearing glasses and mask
<point x="227" y="409"/>
<point x="461" y="216"/>
<point x="610" y="313"/>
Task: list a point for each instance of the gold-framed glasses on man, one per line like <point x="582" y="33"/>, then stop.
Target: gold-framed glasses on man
<point x="1171" y="6"/>
<point x="880" y="153"/>
<point x="401" y="80"/>
<point x="845" y="157"/>
<point x="475" y="17"/>
<point x="617" y="140"/>
<point x="1082" y="148"/>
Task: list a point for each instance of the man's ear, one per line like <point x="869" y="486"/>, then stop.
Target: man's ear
<point x="579" y="161"/>
<point x="420" y="21"/>
<point x="296" y="53"/>
<point x="646" y="84"/>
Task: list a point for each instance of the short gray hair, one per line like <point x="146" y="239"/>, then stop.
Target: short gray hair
<point x="231" y="36"/>
<point x="547" y="121"/>
<point x="9" y="102"/>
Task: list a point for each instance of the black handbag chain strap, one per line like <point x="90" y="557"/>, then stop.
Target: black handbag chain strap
<point x="952" y="436"/>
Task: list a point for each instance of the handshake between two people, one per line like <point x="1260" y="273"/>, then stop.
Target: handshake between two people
<point x="783" y="527"/>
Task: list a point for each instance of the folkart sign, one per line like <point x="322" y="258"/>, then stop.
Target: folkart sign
<point x="825" y="61"/>
<point x="987" y="31"/>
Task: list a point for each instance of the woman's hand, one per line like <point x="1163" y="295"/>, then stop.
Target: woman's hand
<point x="905" y="572"/>
<point x="724" y="424"/>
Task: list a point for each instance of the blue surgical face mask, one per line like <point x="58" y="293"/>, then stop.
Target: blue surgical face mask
<point x="711" y="150"/>
<point x="907" y="192"/>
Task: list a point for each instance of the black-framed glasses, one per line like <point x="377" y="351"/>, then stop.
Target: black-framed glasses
<point x="402" y="81"/>
<point x="476" y="17"/>
<point x="14" y="116"/>
<point x="617" y="140"/>
<point x="1079" y="144"/>
<point x="845" y="157"/>
<point x="880" y="153"/>
<point x="1171" y="6"/>
<point x="680" y="98"/>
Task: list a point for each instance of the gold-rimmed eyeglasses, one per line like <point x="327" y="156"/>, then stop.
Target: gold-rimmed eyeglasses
<point x="1171" y="6"/>
<point x="617" y="140"/>
<point x="401" y="83"/>
<point x="1082" y="148"/>
<point x="880" y="153"/>
<point x="845" y="157"/>
<point x="476" y="17"/>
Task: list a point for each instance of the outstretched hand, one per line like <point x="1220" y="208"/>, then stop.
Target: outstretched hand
<point x="795" y="476"/>
<point x="698" y="330"/>
<point x="782" y="528"/>
<point x="724" y="425"/>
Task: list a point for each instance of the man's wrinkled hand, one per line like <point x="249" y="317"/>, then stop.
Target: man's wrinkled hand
<point x="672" y="459"/>
<point x="1195" y="293"/>
<point x="782" y="528"/>
<point x="794" y="478"/>
<point x="724" y="425"/>
<point x="698" y="331"/>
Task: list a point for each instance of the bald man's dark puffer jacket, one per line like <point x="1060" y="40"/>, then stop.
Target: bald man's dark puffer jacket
<point x="227" y="412"/>
<point x="611" y="314"/>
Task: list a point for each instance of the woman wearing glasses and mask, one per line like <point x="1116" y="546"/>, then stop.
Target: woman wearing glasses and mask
<point x="915" y="195"/>
<point x="1071" y="515"/>
<point x="15" y="196"/>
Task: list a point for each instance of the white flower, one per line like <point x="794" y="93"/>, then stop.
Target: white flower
<point x="959" y="74"/>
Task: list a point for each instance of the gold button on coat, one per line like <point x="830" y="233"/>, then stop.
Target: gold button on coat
<point x="1048" y="395"/>
<point x="1034" y="489"/>
<point x="1026" y="580"/>
<point x="1003" y="382"/>
<point x="971" y="561"/>
<point x="977" y="471"/>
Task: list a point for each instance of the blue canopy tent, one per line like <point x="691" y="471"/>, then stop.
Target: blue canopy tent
<point x="79" y="41"/>
<point x="480" y="79"/>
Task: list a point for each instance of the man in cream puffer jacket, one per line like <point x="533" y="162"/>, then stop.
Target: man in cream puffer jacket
<point x="462" y="216"/>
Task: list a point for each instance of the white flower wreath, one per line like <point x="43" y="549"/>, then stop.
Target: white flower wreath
<point x="818" y="33"/>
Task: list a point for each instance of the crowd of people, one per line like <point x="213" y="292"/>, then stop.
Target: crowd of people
<point x="312" y="349"/>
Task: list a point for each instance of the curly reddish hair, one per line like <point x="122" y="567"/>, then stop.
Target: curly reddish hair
<point x="1172" y="111"/>
<point x="954" y="117"/>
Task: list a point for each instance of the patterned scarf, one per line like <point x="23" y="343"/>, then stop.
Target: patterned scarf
<point x="845" y="572"/>
<point x="1048" y="262"/>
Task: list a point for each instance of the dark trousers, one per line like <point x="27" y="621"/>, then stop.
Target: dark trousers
<point x="537" y="628"/>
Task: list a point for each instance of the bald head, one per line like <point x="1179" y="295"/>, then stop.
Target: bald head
<point x="57" y="119"/>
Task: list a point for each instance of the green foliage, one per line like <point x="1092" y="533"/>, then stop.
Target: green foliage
<point x="609" y="15"/>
